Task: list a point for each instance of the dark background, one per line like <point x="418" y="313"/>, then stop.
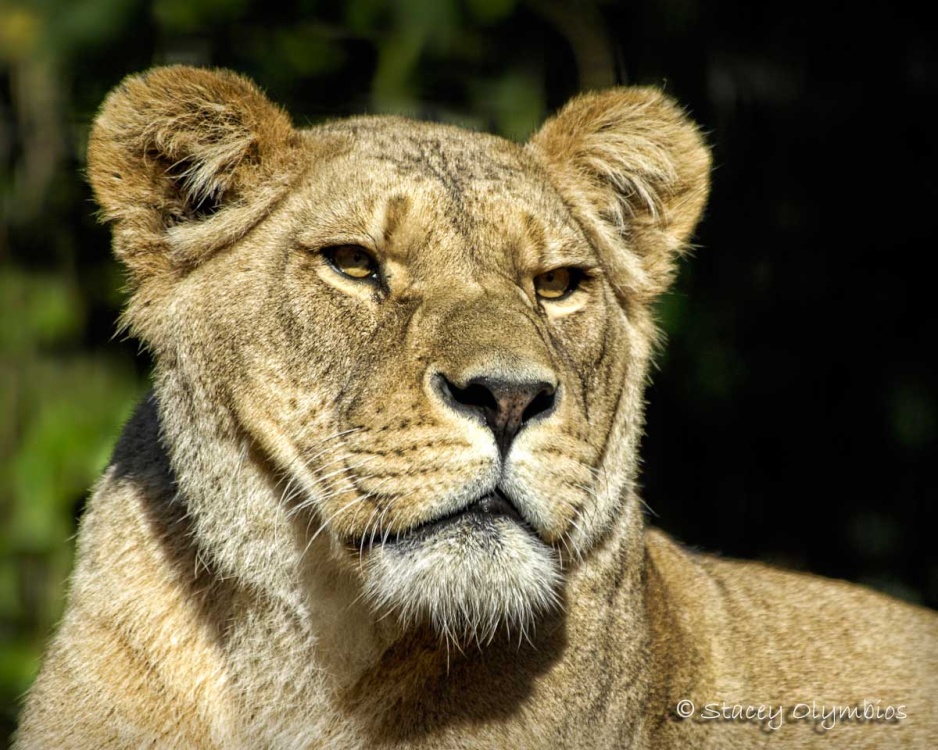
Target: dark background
<point x="793" y="417"/>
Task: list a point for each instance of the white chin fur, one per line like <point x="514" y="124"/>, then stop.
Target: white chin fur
<point x="466" y="580"/>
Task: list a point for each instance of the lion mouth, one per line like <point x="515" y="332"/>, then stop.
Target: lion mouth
<point x="481" y="515"/>
<point x="483" y="510"/>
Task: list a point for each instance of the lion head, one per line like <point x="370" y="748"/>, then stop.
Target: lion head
<point x="425" y="346"/>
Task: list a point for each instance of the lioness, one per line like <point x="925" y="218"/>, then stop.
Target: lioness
<point x="383" y="493"/>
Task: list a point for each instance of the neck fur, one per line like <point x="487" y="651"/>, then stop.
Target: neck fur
<point x="302" y="603"/>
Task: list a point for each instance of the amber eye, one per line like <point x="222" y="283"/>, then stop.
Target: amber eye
<point x="352" y="261"/>
<point x="557" y="284"/>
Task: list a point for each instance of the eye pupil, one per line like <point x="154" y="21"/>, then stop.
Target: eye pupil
<point x="352" y="261"/>
<point x="556" y="284"/>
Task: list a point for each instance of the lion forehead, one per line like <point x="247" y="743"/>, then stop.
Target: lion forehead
<point x="436" y="190"/>
<point x="463" y="163"/>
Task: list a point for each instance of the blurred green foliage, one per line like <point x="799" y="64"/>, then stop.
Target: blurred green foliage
<point x="61" y="412"/>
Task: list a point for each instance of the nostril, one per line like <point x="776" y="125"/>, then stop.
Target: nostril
<point x="542" y="402"/>
<point x="505" y="406"/>
<point x="474" y="395"/>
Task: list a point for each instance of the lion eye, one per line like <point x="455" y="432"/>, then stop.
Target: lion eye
<point x="352" y="261"/>
<point x="557" y="284"/>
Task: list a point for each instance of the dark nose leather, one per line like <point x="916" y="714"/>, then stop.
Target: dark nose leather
<point x="505" y="406"/>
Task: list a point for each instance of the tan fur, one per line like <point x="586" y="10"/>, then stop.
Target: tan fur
<point x="250" y="570"/>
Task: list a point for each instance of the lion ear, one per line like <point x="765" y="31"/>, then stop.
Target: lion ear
<point x="174" y="148"/>
<point x="636" y="171"/>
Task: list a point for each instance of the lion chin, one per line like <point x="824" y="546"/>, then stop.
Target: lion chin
<point x="469" y="574"/>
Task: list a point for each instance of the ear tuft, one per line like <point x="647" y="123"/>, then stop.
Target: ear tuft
<point x="175" y="145"/>
<point x="636" y="171"/>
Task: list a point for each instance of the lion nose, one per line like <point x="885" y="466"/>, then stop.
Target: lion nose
<point x="505" y="406"/>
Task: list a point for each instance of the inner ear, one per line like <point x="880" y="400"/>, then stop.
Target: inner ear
<point x="196" y="201"/>
<point x="636" y="171"/>
<point x="174" y="147"/>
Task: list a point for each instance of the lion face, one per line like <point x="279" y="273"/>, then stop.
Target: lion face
<point x="436" y="339"/>
<point x="438" y="414"/>
<point x="434" y="406"/>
